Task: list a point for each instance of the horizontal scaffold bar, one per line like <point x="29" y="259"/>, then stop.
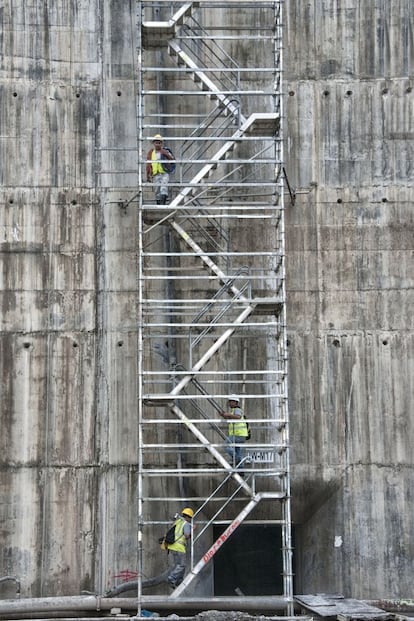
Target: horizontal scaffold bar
<point x="162" y="421"/>
<point x="190" y="70"/>
<point x="165" y="399"/>
<point x="172" y="373"/>
<point x="225" y="93"/>
<point x="213" y="522"/>
<point x="199" y="471"/>
<point x="275" y="448"/>
<point x="256" y="4"/>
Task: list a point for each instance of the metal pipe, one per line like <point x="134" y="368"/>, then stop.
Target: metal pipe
<point x="257" y="604"/>
<point x="263" y="604"/>
<point x="157" y="602"/>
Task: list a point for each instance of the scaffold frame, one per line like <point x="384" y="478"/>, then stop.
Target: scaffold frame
<point x="211" y="305"/>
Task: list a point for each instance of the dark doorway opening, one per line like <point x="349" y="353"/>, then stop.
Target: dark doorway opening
<point x="250" y="562"/>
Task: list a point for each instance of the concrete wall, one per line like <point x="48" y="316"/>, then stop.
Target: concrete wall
<point x="349" y="153"/>
<point x="68" y="493"/>
<point x="68" y="253"/>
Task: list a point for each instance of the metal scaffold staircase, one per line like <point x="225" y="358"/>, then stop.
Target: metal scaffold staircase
<point x="211" y="277"/>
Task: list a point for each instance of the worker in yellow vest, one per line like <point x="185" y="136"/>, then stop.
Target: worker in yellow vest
<point x="183" y="531"/>
<point x="157" y="169"/>
<point x="237" y="431"/>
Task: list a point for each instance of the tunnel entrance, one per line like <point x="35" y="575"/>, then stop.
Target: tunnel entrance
<point x="250" y="562"/>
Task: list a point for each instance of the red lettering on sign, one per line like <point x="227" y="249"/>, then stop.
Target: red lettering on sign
<point x="222" y="539"/>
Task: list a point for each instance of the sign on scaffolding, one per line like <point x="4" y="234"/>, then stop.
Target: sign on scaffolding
<point x="261" y="457"/>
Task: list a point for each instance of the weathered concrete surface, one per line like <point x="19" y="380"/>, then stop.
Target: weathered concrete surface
<point x="68" y="287"/>
<point x="350" y="242"/>
<point x="67" y="499"/>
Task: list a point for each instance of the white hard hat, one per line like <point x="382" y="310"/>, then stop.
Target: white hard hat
<point x="234" y="398"/>
<point x="157" y="137"/>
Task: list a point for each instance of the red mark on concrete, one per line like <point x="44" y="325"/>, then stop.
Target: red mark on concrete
<point x="127" y="575"/>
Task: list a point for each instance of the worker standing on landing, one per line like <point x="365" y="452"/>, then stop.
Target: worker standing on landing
<point x="158" y="169"/>
<point x="182" y="534"/>
<point x="237" y="432"/>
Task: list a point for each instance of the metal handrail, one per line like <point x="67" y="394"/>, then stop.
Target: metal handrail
<point x="215" y="319"/>
<point x="216" y="406"/>
<point x="214" y="53"/>
<point x="195" y="150"/>
<point x="203" y="230"/>
<point x="223" y="309"/>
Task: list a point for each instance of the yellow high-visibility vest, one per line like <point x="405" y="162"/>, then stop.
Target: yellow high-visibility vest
<point x="238" y="428"/>
<point x="156" y="164"/>
<point x="179" y="543"/>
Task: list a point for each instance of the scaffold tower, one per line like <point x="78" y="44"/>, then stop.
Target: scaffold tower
<point x="211" y="276"/>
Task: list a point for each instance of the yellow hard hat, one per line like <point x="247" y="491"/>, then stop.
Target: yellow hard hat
<point x="187" y="511"/>
<point x="157" y="137"/>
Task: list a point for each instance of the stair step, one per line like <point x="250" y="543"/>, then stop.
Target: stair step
<point x="268" y="306"/>
<point x="164" y="400"/>
<point x="156" y="34"/>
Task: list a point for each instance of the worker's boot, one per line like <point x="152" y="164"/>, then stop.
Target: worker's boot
<point x="163" y="199"/>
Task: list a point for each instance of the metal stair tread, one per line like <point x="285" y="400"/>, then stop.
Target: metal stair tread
<point x="266" y="306"/>
<point x="156" y="33"/>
